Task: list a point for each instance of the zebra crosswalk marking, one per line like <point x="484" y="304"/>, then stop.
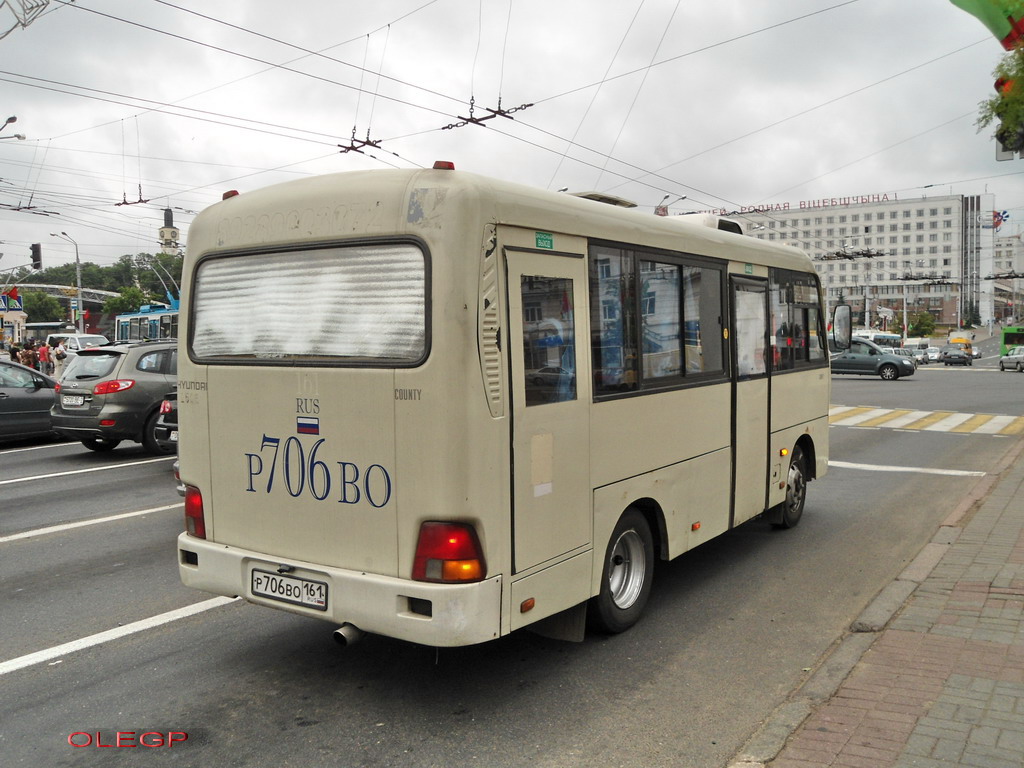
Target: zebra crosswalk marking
<point x="904" y="421"/>
<point x="930" y="421"/>
<point x="995" y="424"/>
<point x="949" y="422"/>
<point x="885" y="418"/>
<point x="974" y="423"/>
<point x="859" y="415"/>
<point x="932" y="418"/>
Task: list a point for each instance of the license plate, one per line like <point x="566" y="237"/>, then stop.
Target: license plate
<point x="72" y="400"/>
<point x="174" y="436"/>
<point x="290" y="589"/>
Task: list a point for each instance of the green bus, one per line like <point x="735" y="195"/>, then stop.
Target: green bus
<point x="1013" y="336"/>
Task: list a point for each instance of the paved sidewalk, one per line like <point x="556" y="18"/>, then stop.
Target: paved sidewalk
<point x="932" y="673"/>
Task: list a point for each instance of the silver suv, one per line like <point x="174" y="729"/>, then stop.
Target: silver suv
<point x="113" y="393"/>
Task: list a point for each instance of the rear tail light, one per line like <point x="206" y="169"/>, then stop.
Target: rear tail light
<point x="195" y="521"/>
<point x="115" y="385"/>
<point x="166" y="407"/>
<point x="448" y="553"/>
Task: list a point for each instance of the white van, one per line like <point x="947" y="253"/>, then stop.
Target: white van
<point x="451" y="432"/>
<point x="73" y="342"/>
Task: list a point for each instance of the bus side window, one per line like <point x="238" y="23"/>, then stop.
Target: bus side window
<point x="613" y="320"/>
<point x="549" y="340"/>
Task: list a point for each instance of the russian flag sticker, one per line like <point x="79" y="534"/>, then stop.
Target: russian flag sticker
<point x="306" y="425"/>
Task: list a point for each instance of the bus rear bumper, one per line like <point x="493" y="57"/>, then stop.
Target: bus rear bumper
<point x="430" y="614"/>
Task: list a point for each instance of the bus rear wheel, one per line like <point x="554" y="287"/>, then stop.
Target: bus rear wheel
<point x="626" y="577"/>
<point x="789" y="512"/>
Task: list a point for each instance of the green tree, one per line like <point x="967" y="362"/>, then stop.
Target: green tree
<point x="922" y="324"/>
<point x="42" y="308"/>
<point x="130" y="300"/>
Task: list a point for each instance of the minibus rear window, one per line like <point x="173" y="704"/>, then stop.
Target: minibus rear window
<point x="347" y="304"/>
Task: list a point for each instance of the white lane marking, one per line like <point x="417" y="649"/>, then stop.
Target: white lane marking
<point x="919" y="470"/>
<point x="83" y="523"/>
<point x="40" y="447"/>
<point x="82" y="471"/>
<point x="112" y="634"/>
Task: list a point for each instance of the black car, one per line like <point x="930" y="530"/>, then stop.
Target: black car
<point x="25" y="399"/>
<point x="113" y="393"/>
<point x="167" y="424"/>
<point x="951" y="354"/>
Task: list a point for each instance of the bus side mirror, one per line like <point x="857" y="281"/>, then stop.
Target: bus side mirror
<point x="842" y="326"/>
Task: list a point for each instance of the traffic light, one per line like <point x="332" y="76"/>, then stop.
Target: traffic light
<point x="1010" y="136"/>
<point x="37" y="256"/>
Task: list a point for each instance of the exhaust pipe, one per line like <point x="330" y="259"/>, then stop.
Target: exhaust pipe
<point x="348" y="634"/>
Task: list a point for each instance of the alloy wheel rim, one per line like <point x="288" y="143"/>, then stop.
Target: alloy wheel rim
<point x="626" y="568"/>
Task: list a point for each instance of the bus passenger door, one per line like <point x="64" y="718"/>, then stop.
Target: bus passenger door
<point x="551" y="393"/>
<point x="750" y="397"/>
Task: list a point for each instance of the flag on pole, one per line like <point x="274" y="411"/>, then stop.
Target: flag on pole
<point x="1004" y="18"/>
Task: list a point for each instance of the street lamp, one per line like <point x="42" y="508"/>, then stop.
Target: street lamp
<point x="8" y="121"/>
<point x="78" y="277"/>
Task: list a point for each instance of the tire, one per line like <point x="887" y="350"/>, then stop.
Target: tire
<point x="889" y="372"/>
<point x="149" y="440"/>
<point x="1001" y="368"/>
<point x="626" y="577"/>
<point x="1020" y="368"/>
<point x="791" y="510"/>
<point x="100" y="444"/>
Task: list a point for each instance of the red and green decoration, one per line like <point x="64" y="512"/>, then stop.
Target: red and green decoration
<point x="1004" y="18"/>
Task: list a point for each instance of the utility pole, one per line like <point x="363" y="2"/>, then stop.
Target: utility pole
<point x="78" y="279"/>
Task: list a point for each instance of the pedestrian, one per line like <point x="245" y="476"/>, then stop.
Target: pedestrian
<point x="29" y="357"/>
<point x="60" y="356"/>
<point x="45" y="363"/>
<point x="15" y="352"/>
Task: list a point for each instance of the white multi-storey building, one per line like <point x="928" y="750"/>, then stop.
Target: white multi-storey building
<point x="884" y="253"/>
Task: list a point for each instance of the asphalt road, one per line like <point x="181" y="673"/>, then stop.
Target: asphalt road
<point x="732" y="627"/>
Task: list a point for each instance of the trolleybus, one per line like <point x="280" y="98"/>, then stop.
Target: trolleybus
<point x="489" y="407"/>
<point x="149" y="323"/>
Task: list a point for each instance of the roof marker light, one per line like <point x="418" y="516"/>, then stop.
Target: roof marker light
<point x="444" y="165"/>
<point x="229" y="193"/>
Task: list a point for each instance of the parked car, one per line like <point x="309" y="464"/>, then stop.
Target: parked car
<point x="934" y="355"/>
<point x="921" y="356"/>
<point x="113" y="393"/>
<point x="1014" y="359"/>
<point x="867" y="358"/>
<point x="25" y="399"/>
<point x="955" y="354"/>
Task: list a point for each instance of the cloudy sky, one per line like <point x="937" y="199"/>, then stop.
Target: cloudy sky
<point x="731" y="103"/>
